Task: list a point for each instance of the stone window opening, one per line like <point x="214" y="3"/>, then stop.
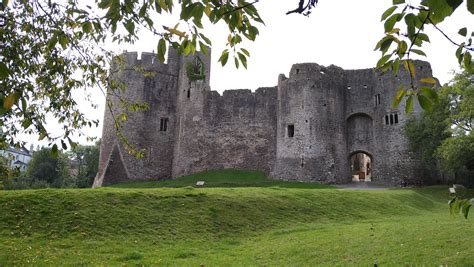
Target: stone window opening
<point x="302" y="161"/>
<point x="391" y="119"/>
<point x="297" y="71"/>
<point x="365" y="86"/>
<point x="377" y="99"/>
<point x="349" y="87"/>
<point x="189" y="93"/>
<point x="163" y="124"/>
<point x="291" y="130"/>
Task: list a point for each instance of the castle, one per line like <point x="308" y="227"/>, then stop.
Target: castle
<point x="307" y="128"/>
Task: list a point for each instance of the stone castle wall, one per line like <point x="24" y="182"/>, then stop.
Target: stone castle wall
<point x="329" y="112"/>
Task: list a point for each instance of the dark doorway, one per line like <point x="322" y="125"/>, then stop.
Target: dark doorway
<point x="361" y="167"/>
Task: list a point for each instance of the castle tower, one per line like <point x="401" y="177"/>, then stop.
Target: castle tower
<point x="392" y="160"/>
<point x="144" y="80"/>
<point x="193" y="90"/>
<point x="310" y="129"/>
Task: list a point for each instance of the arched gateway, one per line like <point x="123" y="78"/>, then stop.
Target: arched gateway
<point x="360" y="140"/>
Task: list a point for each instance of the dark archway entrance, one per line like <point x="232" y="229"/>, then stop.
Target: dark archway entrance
<point x="361" y="164"/>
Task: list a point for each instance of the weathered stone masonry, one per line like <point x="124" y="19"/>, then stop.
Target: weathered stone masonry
<point x="304" y="129"/>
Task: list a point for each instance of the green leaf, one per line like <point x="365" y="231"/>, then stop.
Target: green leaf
<point x="440" y="9"/>
<point x="397" y="2"/>
<point x="430" y="93"/>
<point x="465" y="208"/>
<point x="236" y="63"/>
<point x="26" y="123"/>
<point x="383" y="60"/>
<point x="429" y="80"/>
<point x="396" y="65"/>
<point x="54" y="151"/>
<point x="468" y="61"/>
<point x="418" y="52"/>
<point x="402" y="48"/>
<point x="410" y="22"/>
<point x="410" y="67"/>
<point x="463" y="31"/>
<point x="459" y="54"/>
<point x="187" y="11"/>
<point x="130" y="26"/>
<point x="208" y="42"/>
<point x="388" y="12"/>
<point x="245" y="51"/>
<point x="3" y="71"/>
<point x="409" y="104"/>
<point x="143" y="9"/>
<point x="423" y="37"/>
<point x="10" y="100"/>
<point x="425" y="103"/>
<point x="51" y="43"/>
<point x="64" y="146"/>
<point x="63" y="40"/>
<point x="87" y="27"/>
<point x="470" y="6"/>
<point x="203" y="48"/>
<point x="105" y="4"/>
<point x="390" y="22"/>
<point x="398" y="97"/>
<point x="224" y="57"/>
<point x="243" y="59"/>
<point x="386" y="45"/>
<point x="451" y="204"/>
<point x="161" y="50"/>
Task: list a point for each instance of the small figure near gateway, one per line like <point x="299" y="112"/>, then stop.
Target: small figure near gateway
<point x="307" y="128"/>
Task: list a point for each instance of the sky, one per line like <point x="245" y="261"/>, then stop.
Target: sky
<point x="338" y="32"/>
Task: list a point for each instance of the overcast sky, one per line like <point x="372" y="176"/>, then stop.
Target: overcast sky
<point x="339" y="32"/>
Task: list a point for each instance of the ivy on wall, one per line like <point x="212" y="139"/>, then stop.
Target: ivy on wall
<point x="195" y="71"/>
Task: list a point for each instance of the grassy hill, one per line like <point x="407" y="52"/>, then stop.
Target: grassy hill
<point x="268" y="225"/>
<point x="222" y="178"/>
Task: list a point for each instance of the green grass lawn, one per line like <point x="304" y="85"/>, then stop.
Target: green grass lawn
<point x="237" y="226"/>
<point x="222" y="178"/>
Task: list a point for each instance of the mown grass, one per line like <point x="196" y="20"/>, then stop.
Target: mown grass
<point x="221" y="178"/>
<point x="232" y="227"/>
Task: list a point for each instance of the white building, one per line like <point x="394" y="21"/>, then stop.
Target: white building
<point x="16" y="158"/>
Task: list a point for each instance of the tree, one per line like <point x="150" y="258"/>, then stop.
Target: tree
<point x="445" y="135"/>
<point x="426" y="134"/>
<point x="87" y="159"/>
<point x="404" y="26"/>
<point x="457" y="151"/>
<point x="49" y="168"/>
<point x="51" y="50"/>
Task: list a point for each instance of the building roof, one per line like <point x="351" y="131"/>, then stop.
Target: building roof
<point x="22" y="151"/>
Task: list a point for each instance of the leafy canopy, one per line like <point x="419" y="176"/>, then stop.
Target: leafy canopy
<point x="404" y="25"/>
<point x="52" y="50"/>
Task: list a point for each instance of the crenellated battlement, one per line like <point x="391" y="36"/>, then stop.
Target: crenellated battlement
<point x="149" y="61"/>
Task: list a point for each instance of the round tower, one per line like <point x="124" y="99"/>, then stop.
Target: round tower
<point x="310" y="130"/>
<point x="144" y="81"/>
